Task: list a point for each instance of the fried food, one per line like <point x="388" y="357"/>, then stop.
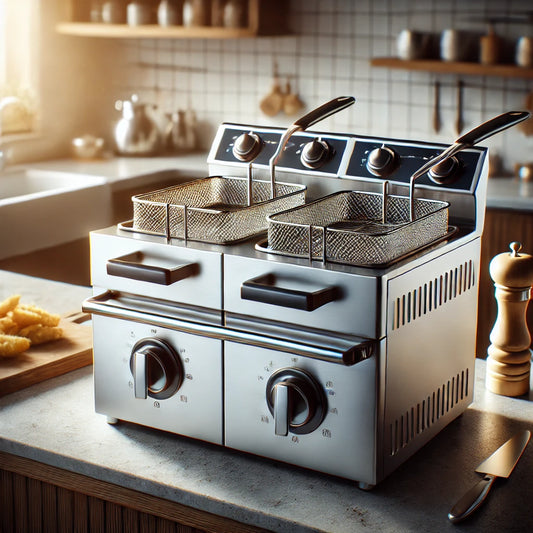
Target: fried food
<point x="37" y="333"/>
<point x="26" y="315"/>
<point x="11" y="345"/>
<point x="9" y="304"/>
<point x="22" y="325"/>
<point x="8" y="326"/>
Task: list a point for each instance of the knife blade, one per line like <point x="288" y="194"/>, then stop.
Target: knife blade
<point x="500" y="464"/>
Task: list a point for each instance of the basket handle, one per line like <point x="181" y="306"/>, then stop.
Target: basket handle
<point x="132" y="266"/>
<point x="264" y="289"/>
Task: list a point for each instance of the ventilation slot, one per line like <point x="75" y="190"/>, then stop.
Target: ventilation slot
<point x="426" y="413"/>
<point x="434" y="293"/>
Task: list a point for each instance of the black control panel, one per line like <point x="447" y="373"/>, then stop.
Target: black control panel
<point x="409" y="158"/>
<point x="292" y="155"/>
<point x="371" y="158"/>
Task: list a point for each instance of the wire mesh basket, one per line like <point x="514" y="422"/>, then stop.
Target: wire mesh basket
<point x="357" y="228"/>
<point x="216" y="209"/>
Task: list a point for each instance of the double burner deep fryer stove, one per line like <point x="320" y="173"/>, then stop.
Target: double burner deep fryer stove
<point x="340" y="339"/>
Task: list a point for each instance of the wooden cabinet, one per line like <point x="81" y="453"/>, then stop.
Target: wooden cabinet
<point x="501" y="228"/>
<point x="449" y="67"/>
<point x="37" y="497"/>
<point x="263" y="17"/>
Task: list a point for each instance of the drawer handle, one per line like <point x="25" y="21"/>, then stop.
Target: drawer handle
<point x="264" y="289"/>
<point x="131" y="266"/>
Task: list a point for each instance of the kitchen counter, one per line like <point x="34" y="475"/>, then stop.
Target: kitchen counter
<point x="54" y="423"/>
<point x="127" y="172"/>
<point x="510" y="194"/>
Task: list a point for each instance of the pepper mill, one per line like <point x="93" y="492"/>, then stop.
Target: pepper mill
<point x="509" y="356"/>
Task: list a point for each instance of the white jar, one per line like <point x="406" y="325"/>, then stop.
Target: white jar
<point x="196" y="12"/>
<point x="138" y="13"/>
<point x="524" y="52"/>
<point x="169" y="12"/>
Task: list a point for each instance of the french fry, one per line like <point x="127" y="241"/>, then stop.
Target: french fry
<point x="9" y="304"/>
<point x="22" y="325"/>
<point x="11" y="345"/>
<point x="38" y="334"/>
<point x="26" y="315"/>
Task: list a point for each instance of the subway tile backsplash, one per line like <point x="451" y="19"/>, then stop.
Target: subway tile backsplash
<point x="328" y="54"/>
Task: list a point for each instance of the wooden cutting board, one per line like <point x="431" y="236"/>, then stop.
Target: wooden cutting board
<point x="51" y="359"/>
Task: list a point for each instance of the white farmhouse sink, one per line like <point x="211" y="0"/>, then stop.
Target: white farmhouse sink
<point x="43" y="208"/>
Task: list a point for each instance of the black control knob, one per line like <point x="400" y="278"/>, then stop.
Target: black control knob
<point x="296" y="401"/>
<point x="156" y="368"/>
<point x="445" y="171"/>
<point x="381" y="161"/>
<point x="315" y="153"/>
<point x="247" y="146"/>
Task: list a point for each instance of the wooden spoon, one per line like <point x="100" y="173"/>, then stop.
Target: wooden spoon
<point x="272" y="103"/>
<point x="291" y="101"/>
<point x="527" y="125"/>
<point x="436" y="107"/>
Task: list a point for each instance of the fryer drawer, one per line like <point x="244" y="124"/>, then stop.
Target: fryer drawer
<point x="157" y="270"/>
<point x="304" y="295"/>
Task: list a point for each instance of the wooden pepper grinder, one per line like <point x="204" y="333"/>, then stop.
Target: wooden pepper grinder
<point x="509" y="356"/>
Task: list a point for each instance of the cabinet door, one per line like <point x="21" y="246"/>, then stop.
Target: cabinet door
<point x="501" y="228"/>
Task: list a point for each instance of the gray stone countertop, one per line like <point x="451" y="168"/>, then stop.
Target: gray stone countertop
<point x="54" y="422"/>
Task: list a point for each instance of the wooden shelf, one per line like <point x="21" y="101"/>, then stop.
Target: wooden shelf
<point x="151" y="31"/>
<point x="445" y="67"/>
<point x="263" y="18"/>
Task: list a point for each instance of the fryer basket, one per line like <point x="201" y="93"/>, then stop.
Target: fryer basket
<point x="348" y="227"/>
<point x="213" y="209"/>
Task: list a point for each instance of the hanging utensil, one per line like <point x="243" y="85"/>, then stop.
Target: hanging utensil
<point x="318" y="114"/>
<point x="291" y="101"/>
<point x="272" y="103"/>
<point x="527" y="127"/>
<point x="436" y="107"/>
<point x="473" y="137"/>
<point x="459" y="122"/>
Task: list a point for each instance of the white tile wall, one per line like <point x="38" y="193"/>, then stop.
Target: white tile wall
<point x="328" y="54"/>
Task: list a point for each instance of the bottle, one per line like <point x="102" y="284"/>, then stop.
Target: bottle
<point x="196" y="13"/>
<point x="138" y="13"/>
<point x="114" y="12"/>
<point x="234" y="14"/>
<point x="169" y="13"/>
<point x="217" y="13"/>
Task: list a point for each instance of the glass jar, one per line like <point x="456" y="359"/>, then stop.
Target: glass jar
<point x="196" y="12"/>
<point x="235" y="14"/>
<point x="169" y="12"/>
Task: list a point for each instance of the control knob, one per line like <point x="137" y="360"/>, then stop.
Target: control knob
<point x="156" y="368"/>
<point x="296" y="401"/>
<point x="247" y="146"/>
<point x="444" y="171"/>
<point x="315" y="153"/>
<point x="381" y="161"/>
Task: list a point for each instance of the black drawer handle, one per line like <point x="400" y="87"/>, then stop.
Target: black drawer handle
<point x="264" y="289"/>
<point x="131" y="266"/>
